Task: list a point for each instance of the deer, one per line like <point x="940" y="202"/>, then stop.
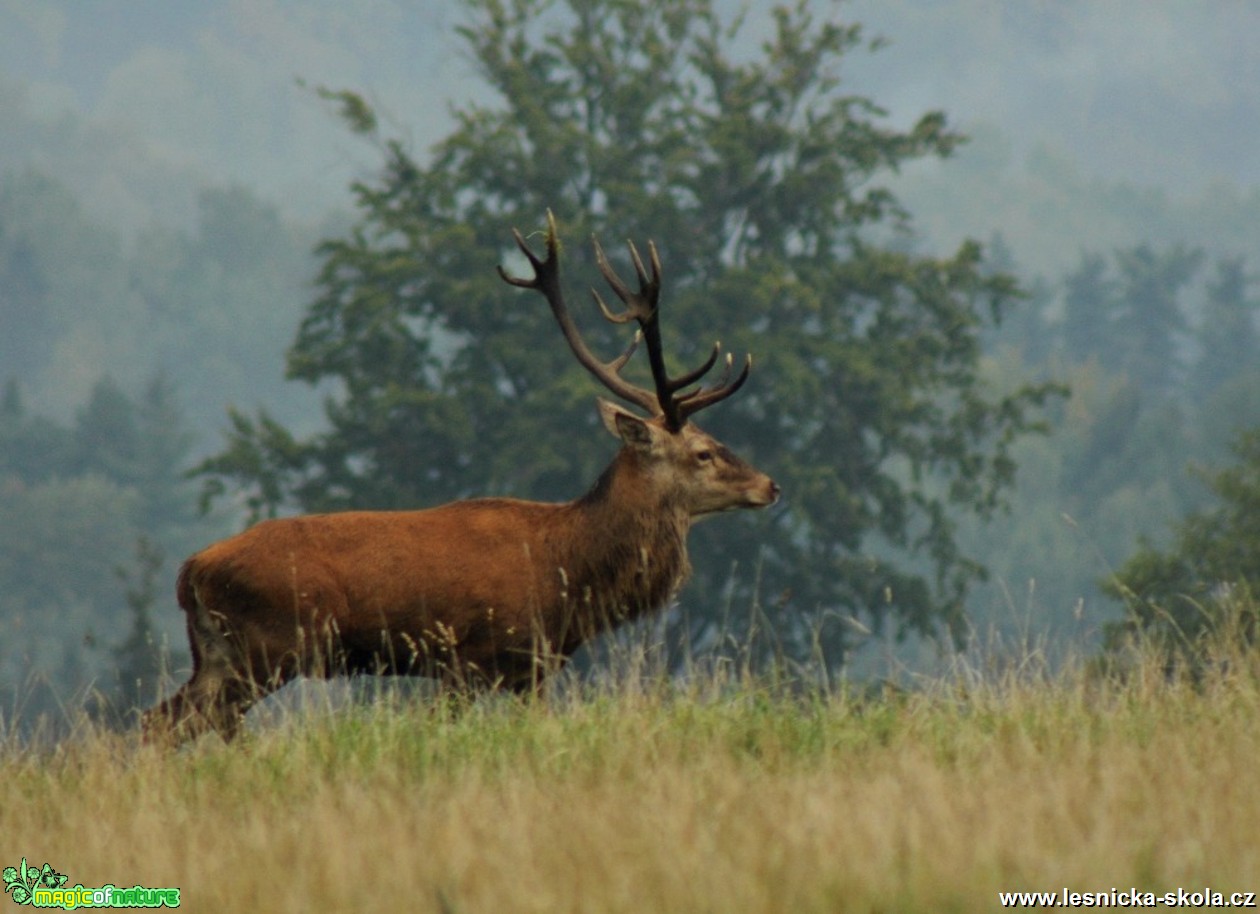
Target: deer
<point x="481" y="593"/>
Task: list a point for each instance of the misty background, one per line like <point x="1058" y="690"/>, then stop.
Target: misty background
<point x="166" y="171"/>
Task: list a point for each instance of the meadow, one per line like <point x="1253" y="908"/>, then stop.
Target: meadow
<point x="713" y="794"/>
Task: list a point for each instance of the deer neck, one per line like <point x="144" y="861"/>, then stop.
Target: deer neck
<point x="628" y="501"/>
<point x="629" y="547"/>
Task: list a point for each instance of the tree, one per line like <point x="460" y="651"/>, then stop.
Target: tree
<point x="140" y="659"/>
<point x="26" y="330"/>
<point x="1177" y="595"/>
<point x="74" y="500"/>
<point x="1150" y="325"/>
<point x="1228" y="339"/>
<point x="64" y="292"/>
<point x="106" y="436"/>
<point x="32" y="448"/>
<point x="1089" y="306"/>
<point x="760" y="179"/>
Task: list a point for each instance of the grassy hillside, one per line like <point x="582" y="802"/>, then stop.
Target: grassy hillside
<point x="713" y="797"/>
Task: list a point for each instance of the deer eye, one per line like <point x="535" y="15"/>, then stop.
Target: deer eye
<point x="704" y="456"/>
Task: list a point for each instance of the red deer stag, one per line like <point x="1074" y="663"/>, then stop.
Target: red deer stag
<point x="489" y="591"/>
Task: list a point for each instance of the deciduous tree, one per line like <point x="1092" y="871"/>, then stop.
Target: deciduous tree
<point x="1210" y="575"/>
<point x="764" y="183"/>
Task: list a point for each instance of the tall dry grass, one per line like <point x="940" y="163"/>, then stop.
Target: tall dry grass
<point x="710" y="796"/>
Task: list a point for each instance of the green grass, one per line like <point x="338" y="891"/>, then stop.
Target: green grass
<point x="716" y="796"/>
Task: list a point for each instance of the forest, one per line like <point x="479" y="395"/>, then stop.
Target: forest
<point x="165" y="380"/>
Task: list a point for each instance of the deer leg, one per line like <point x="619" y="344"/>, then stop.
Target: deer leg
<point x="222" y="688"/>
<point x="533" y="684"/>
<point x="194" y="709"/>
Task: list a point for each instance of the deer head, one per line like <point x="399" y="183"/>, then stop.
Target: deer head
<point x="705" y="474"/>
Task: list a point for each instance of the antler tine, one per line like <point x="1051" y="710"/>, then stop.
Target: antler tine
<point x="644" y="307"/>
<point x="620" y="361"/>
<point x="697" y="400"/>
<point x="538" y="265"/>
<point x="624" y="317"/>
<point x="655" y="258"/>
<point x="641" y="305"/>
<point x="691" y="377"/>
<point x="547" y="281"/>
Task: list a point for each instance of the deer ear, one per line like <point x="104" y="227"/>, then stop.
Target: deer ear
<point x="633" y="430"/>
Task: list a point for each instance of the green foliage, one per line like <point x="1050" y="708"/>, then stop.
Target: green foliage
<point x="1228" y="338"/>
<point x="1088" y="310"/>
<point x="1114" y="469"/>
<point x="44" y="227"/>
<point x="1177" y="595"/>
<point x="75" y="500"/>
<point x="139" y="660"/>
<point x="1150" y="322"/>
<point x="111" y="355"/>
<point x="1118" y="467"/>
<point x="66" y="541"/>
<point x="210" y="307"/>
<point x="353" y="110"/>
<point x="63" y="288"/>
<point x="32" y="448"/>
<point x="1131" y="312"/>
<point x="220" y="300"/>
<point x="761" y="180"/>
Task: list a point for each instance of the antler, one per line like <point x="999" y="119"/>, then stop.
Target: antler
<point x="642" y="306"/>
<point x="547" y="281"/>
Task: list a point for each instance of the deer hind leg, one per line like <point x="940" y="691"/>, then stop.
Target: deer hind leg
<point x="222" y="688"/>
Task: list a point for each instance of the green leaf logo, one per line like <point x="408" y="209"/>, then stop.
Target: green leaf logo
<point x="50" y="878"/>
<point x="20" y="883"/>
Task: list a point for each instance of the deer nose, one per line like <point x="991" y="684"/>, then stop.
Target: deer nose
<point x="775" y="491"/>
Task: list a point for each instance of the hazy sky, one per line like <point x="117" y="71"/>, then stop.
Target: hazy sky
<point x="1153" y="91"/>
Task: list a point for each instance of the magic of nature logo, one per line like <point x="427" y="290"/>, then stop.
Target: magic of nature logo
<point x="44" y="887"/>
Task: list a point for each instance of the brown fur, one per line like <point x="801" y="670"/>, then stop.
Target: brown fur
<point x="491" y="591"/>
